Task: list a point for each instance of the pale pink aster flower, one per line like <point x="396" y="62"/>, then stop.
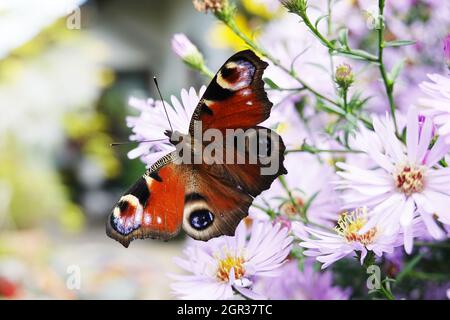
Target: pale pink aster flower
<point x="222" y="266"/>
<point x="310" y="189"/>
<point x="152" y="122"/>
<point x="447" y="50"/>
<point x="305" y="284"/>
<point x="406" y="182"/>
<point x="437" y="104"/>
<point x="346" y="239"/>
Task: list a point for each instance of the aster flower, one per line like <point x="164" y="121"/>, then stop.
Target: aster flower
<point x="346" y="239"/>
<point x="437" y="105"/>
<point x="310" y="190"/>
<point x="305" y="284"/>
<point x="447" y="50"/>
<point x="152" y="122"/>
<point x="227" y="264"/>
<point x="407" y="181"/>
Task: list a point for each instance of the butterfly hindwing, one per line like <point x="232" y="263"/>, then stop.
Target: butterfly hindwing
<point x="213" y="206"/>
<point x="235" y="99"/>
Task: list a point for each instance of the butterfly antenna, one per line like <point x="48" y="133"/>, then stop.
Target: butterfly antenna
<point x="162" y="100"/>
<point x="115" y="144"/>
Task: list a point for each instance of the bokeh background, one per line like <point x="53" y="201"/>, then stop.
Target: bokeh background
<point x="67" y="69"/>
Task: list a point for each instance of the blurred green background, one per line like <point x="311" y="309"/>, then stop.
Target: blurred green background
<point x="66" y="74"/>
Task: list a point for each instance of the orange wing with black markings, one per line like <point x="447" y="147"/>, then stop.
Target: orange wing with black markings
<point x="152" y="208"/>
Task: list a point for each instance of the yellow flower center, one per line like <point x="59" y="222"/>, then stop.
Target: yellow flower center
<point x="410" y="179"/>
<point x="225" y="265"/>
<point x="350" y="223"/>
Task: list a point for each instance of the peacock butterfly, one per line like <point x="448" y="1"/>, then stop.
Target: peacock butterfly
<point x="208" y="199"/>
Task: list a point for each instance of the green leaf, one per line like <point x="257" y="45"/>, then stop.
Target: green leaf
<point x="357" y="54"/>
<point x="316" y="24"/>
<point x="409" y="267"/>
<point x="310" y="201"/>
<point x="399" y="43"/>
<point x="396" y="71"/>
<point x="343" y="37"/>
<point x="271" y="84"/>
<point x="356" y="103"/>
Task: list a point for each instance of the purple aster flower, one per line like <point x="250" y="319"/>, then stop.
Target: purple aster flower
<point x="310" y="189"/>
<point x="406" y="183"/>
<point x="447" y="50"/>
<point x="346" y="239"/>
<point x="220" y="267"/>
<point x="151" y="124"/>
<point x="437" y="291"/>
<point x="306" y="284"/>
<point x="437" y="104"/>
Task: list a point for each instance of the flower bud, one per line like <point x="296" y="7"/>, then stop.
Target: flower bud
<point x="209" y="5"/>
<point x="344" y="76"/>
<point x="187" y="51"/>
<point x="296" y="6"/>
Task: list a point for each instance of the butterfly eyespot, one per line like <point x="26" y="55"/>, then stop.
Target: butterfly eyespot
<point x="201" y="219"/>
<point x="230" y="72"/>
<point x="123" y="206"/>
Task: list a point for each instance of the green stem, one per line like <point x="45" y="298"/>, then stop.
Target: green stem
<point x="233" y="26"/>
<point x="292" y="199"/>
<point x="389" y="86"/>
<point x="347" y="51"/>
<point x="286" y="89"/>
<point x="205" y="71"/>
<point x="435" y="277"/>
<point x="344" y="97"/>
<point x="386" y="293"/>
<point x="329" y="32"/>
<point x="269" y="212"/>
<point x="409" y="267"/>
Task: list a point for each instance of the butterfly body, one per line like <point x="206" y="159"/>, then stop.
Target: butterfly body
<point x="189" y="188"/>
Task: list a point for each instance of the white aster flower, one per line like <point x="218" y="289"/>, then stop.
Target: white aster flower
<point x="437" y="104"/>
<point x="346" y="239"/>
<point x="152" y="123"/>
<point x="226" y="264"/>
<point x="310" y="190"/>
<point x="407" y="181"/>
